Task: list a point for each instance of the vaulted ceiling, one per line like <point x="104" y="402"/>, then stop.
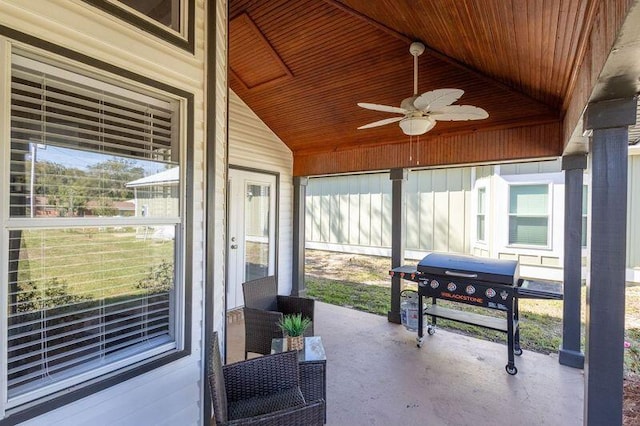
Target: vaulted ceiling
<point x="302" y="66"/>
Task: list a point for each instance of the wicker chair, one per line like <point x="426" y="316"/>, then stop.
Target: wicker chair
<point x="263" y="309"/>
<point x="260" y="391"/>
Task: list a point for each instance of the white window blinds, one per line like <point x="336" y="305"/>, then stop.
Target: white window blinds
<point x="85" y="298"/>
<point x="58" y="111"/>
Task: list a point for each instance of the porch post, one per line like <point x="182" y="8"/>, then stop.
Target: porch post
<point x="570" y="352"/>
<point x="398" y="180"/>
<point x="606" y="286"/>
<point x="299" y="210"/>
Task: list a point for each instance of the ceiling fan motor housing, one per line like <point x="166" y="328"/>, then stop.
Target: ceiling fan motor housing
<point x="414" y="126"/>
<point x="416" y="48"/>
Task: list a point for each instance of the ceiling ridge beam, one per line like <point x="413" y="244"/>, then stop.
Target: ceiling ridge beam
<point x="435" y="53"/>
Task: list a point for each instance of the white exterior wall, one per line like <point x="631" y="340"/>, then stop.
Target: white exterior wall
<point x="352" y="210"/>
<point x="348" y="213"/>
<point x="438" y="211"/>
<point x="633" y="216"/>
<point x="220" y="167"/>
<point x="535" y="262"/>
<point x="171" y="394"/>
<point x="352" y="213"/>
<point x="253" y="145"/>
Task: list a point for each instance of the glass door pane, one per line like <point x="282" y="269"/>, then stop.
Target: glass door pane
<point x="257" y="230"/>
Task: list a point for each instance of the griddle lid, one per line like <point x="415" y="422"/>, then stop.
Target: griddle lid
<point x="463" y="266"/>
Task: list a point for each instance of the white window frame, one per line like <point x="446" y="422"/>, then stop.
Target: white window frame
<point x="585" y="216"/>
<point x="182" y="38"/>
<point x="182" y="18"/>
<point x="484" y="214"/>
<point x="549" y="217"/>
<point x="140" y="361"/>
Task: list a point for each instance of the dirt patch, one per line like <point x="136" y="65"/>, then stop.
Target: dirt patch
<point x="631" y="402"/>
<point x="348" y="267"/>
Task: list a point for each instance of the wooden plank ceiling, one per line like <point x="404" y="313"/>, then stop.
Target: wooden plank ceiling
<point x="303" y="65"/>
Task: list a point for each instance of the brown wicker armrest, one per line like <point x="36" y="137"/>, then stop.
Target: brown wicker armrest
<point x="261" y="376"/>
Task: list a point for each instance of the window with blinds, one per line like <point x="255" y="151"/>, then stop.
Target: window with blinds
<point x="93" y="283"/>
<point x="529" y="215"/>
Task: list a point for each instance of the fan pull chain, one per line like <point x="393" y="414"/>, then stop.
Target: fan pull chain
<point x="410" y="149"/>
<point x="418" y="150"/>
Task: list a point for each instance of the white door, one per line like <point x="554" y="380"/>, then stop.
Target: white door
<point x="252" y="226"/>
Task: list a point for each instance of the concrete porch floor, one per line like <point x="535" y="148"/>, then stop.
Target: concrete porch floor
<point x="377" y="376"/>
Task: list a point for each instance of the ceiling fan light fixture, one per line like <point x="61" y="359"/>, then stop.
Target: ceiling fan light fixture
<point x="414" y="126"/>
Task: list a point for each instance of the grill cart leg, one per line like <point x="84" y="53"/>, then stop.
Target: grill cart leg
<point x="431" y="328"/>
<point x="420" y="337"/>
<point x="517" y="350"/>
<point x="511" y="366"/>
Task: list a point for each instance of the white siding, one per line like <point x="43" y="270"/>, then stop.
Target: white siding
<point x="554" y="166"/>
<point x="252" y="144"/>
<point x="171" y="394"/>
<point x="535" y="262"/>
<point x="355" y="211"/>
<point x="220" y="167"/>
<point x="633" y="217"/>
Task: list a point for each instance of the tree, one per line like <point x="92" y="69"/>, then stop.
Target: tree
<point x="113" y="174"/>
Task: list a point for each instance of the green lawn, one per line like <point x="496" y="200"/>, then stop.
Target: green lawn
<point x="92" y="262"/>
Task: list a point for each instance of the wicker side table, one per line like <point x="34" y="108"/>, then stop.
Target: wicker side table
<point x="313" y="368"/>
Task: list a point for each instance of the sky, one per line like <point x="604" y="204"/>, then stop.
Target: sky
<point x="84" y="159"/>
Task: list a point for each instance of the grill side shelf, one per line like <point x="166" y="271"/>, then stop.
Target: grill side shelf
<point x="499" y="324"/>
<point x="406" y="272"/>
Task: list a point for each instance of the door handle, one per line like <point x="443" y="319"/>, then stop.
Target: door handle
<point x="234" y="246"/>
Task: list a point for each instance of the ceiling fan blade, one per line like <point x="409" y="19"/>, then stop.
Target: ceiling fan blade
<point x="437" y="99"/>
<point x="381" y="122"/>
<point x="459" y="113"/>
<point x="383" y="108"/>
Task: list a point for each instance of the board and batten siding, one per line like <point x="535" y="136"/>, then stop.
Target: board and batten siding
<point x="253" y="145"/>
<point x="171" y="394"/>
<point x="353" y="212"/>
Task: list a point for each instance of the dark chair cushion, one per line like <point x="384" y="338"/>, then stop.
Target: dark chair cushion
<point x="260" y="405"/>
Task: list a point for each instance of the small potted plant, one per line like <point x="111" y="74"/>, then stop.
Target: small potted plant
<point x="294" y="326"/>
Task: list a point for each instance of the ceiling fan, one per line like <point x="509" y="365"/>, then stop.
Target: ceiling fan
<point x="420" y="112"/>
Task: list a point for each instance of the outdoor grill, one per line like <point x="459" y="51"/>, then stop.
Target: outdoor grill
<point x="488" y="283"/>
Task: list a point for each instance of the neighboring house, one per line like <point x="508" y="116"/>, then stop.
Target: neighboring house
<point x="121" y="208"/>
<point x="157" y="194"/>
<point x="508" y="211"/>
